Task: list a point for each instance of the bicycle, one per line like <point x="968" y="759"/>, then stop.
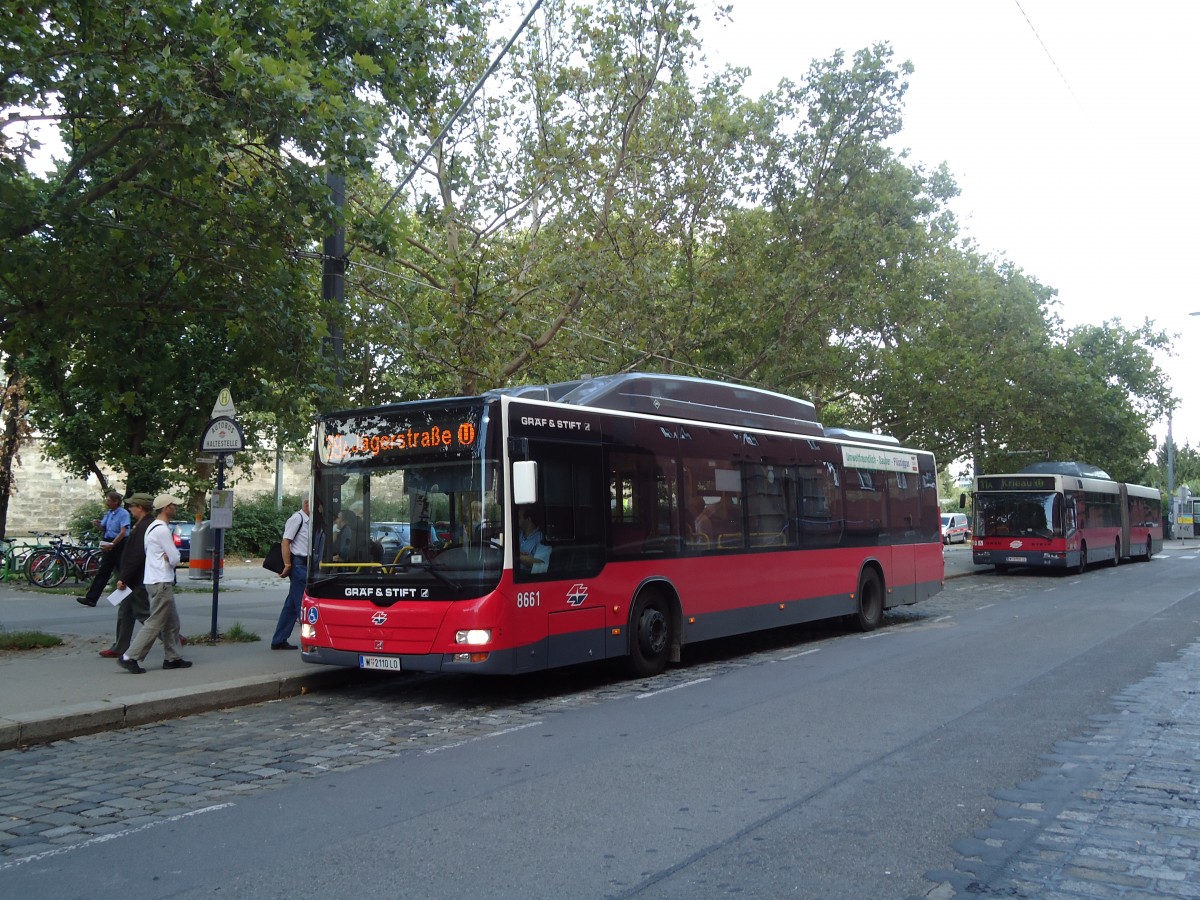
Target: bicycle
<point x="50" y="567"/>
<point x="14" y="553"/>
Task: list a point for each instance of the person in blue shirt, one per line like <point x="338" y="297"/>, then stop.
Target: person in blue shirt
<point x="114" y="528"/>
<point x="534" y="554"/>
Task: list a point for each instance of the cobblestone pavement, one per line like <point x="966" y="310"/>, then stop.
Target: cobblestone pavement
<point x="62" y="794"/>
<point x="1116" y="815"/>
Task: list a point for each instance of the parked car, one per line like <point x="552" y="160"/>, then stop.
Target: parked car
<point x="395" y="536"/>
<point x="181" y="533"/>
<point x="955" y="529"/>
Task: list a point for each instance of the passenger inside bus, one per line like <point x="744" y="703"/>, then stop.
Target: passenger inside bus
<point x="474" y="530"/>
<point x="346" y="536"/>
<point x="534" y="553"/>
<point x="701" y="527"/>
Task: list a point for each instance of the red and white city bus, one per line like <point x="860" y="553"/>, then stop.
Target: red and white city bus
<point x="619" y="516"/>
<point x="1063" y="515"/>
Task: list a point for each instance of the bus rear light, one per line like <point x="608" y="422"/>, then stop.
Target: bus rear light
<point x="473" y="636"/>
<point x="307" y="632"/>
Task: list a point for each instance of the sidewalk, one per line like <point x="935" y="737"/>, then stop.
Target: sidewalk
<point x="62" y="692"/>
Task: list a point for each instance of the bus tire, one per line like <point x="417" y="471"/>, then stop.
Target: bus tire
<point x="1116" y="561"/>
<point x="1082" y="567"/>
<point x="870" y="601"/>
<point x="649" y="634"/>
<point x="1149" y="550"/>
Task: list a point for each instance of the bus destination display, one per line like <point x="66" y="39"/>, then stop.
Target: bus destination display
<point x="369" y="437"/>
<point x="1017" y="483"/>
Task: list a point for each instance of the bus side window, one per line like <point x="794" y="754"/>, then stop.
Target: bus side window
<point x="570" y="510"/>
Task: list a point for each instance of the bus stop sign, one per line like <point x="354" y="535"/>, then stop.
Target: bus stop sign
<point x="222" y="435"/>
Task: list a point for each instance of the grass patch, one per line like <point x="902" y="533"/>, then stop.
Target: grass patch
<point x="28" y="640"/>
<point x="235" y="634"/>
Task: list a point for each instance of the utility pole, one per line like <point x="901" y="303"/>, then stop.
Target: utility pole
<point x="333" y="280"/>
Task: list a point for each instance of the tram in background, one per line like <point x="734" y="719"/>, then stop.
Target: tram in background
<point x="1063" y="515"/>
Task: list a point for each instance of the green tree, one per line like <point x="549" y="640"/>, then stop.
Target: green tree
<point x="553" y="232"/>
<point x="163" y="256"/>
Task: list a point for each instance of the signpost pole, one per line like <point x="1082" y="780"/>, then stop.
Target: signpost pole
<point x="222" y="436"/>
<point x="218" y="551"/>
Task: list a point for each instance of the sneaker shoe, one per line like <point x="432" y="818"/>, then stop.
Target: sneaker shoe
<point x="109" y="653"/>
<point x="284" y="646"/>
<point x="85" y="601"/>
<point x="132" y="666"/>
<point x="177" y="664"/>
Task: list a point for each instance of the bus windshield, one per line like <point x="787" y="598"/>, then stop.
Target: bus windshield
<point x="1032" y="514"/>
<point x="394" y="503"/>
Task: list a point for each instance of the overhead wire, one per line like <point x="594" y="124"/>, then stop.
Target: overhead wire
<point x="461" y="107"/>
<point x="1049" y="55"/>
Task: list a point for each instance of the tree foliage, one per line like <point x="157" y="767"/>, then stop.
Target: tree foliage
<point x="603" y="204"/>
<point x="163" y="255"/>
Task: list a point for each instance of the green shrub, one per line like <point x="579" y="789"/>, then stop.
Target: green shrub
<point x="257" y="524"/>
<point x="80" y="521"/>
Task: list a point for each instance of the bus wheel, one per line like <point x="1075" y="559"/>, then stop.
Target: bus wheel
<point x="1149" y="550"/>
<point x="870" y="601"/>
<point x="650" y="634"/>
<point x="1117" y="554"/>
<point x="1082" y="567"/>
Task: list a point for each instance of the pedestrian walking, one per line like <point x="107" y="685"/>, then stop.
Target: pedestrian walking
<point x="114" y="526"/>
<point x="131" y="574"/>
<point x="162" y="556"/>
<point x="294" y="545"/>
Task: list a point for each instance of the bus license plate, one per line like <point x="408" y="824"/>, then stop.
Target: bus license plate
<point x="379" y="662"/>
<point x="1014" y="559"/>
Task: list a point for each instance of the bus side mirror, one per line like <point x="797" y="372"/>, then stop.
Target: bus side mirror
<point x="962" y="501"/>
<point x="524" y="482"/>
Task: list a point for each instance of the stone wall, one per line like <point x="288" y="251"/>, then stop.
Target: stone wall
<point x="44" y="497"/>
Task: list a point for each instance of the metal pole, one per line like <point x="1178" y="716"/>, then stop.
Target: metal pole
<point x="218" y="551"/>
<point x="279" y="467"/>
<point x="333" y="280"/>
<point x="1172" y="518"/>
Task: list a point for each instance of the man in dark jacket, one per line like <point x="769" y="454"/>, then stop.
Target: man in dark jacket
<point x="130" y="575"/>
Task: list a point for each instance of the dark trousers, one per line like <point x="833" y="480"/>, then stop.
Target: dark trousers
<point x="108" y="564"/>
<point x="135" y="606"/>
<point x="291" y="605"/>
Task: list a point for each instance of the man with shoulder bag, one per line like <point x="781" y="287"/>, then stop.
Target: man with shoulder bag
<point x="162" y="556"/>
<point x="294" y="547"/>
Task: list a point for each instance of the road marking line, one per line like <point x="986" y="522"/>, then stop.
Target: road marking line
<point x="481" y="737"/>
<point x="800" y="654"/>
<point x="100" y="839"/>
<point x="673" y="688"/>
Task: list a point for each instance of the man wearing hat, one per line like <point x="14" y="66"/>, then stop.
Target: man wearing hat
<point x="114" y="527"/>
<point x="130" y="575"/>
<point x="162" y="556"/>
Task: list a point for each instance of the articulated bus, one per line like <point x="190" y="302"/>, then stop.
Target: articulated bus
<point x="1063" y="515"/>
<point x="618" y="516"/>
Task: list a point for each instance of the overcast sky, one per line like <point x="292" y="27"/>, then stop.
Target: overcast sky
<point x="1069" y="127"/>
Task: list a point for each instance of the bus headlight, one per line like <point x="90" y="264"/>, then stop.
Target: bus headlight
<point x="474" y="636"/>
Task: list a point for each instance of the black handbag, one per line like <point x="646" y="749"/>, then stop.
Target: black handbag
<point x="274" y="559"/>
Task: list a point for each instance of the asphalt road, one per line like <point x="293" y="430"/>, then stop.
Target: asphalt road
<point x="808" y="763"/>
